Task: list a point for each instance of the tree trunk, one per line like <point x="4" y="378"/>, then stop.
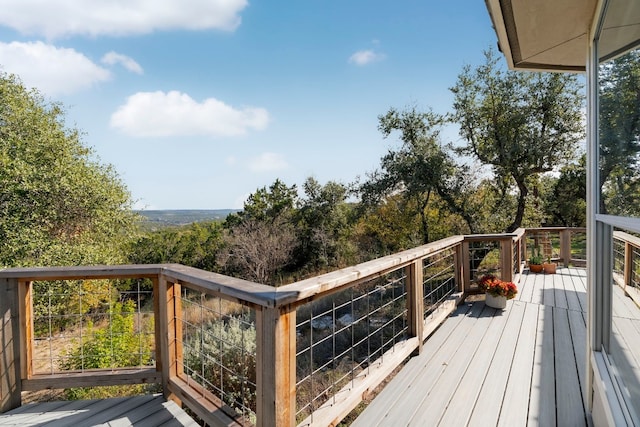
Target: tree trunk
<point x="522" y="199"/>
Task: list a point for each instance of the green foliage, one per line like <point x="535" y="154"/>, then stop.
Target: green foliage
<point x="324" y="222"/>
<point x="267" y="204"/>
<point x="57" y="304"/>
<point x="115" y="345"/>
<point x="197" y="245"/>
<point x="224" y="353"/>
<point x="566" y="204"/>
<point x="536" y="258"/>
<point x="420" y="171"/>
<point x="57" y="204"/>
<point x="619" y="124"/>
<point x="519" y="124"/>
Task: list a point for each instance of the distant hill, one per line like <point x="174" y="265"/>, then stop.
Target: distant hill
<point x="160" y="218"/>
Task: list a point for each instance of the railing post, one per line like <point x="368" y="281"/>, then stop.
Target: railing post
<point x="628" y="264"/>
<point x="518" y="246"/>
<point x="168" y="309"/>
<point x="466" y="269"/>
<point x="565" y="246"/>
<point x="506" y="259"/>
<point x="25" y="303"/>
<point x="10" y="371"/>
<point x="276" y="367"/>
<point x="460" y="267"/>
<point x="415" y="296"/>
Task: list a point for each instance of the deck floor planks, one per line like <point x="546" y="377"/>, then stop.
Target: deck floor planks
<point x="515" y="404"/>
<point x="573" y="301"/>
<point x="570" y="407"/>
<point x="526" y="291"/>
<point x="133" y="406"/>
<point x="403" y="411"/>
<point x="560" y="296"/>
<point x="578" y="328"/>
<point x="542" y="403"/>
<point x="543" y="343"/>
<point x="459" y="410"/>
<point x="432" y="409"/>
<point x="404" y="380"/>
<point x="485" y="411"/>
<point x="149" y="410"/>
<point x="537" y="294"/>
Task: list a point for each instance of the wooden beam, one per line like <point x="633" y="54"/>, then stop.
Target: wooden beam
<point x="164" y="317"/>
<point x="92" y="378"/>
<point x="506" y="260"/>
<point x="276" y="367"/>
<point x="628" y="264"/>
<point x="320" y="286"/>
<point x="25" y="297"/>
<point x="415" y="303"/>
<point x="10" y="372"/>
<point x="565" y="246"/>
<point x="203" y="403"/>
<point x="466" y="264"/>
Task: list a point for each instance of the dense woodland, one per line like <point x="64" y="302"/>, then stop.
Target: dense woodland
<point x="519" y="162"/>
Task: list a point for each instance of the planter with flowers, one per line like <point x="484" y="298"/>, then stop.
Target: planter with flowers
<point x="497" y="292"/>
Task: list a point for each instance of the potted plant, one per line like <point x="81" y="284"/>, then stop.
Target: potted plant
<point x="497" y="292"/>
<point x="535" y="262"/>
<point x="549" y="267"/>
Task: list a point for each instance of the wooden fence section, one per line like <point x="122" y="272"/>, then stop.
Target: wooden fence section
<point x="274" y="311"/>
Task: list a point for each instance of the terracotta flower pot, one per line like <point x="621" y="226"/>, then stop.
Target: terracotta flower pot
<point x="536" y="268"/>
<point x="549" y="268"/>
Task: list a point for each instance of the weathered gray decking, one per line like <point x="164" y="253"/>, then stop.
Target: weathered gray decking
<point x="485" y="367"/>
<point x="140" y="411"/>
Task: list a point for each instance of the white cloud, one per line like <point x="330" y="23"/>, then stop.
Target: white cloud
<point x="160" y="114"/>
<point x="364" y="57"/>
<point x="230" y="161"/>
<point x="268" y="162"/>
<point x="57" y="18"/>
<point x="113" y="58"/>
<point x="50" y="69"/>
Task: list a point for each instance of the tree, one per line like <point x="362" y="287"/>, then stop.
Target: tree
<point x="267" y="203"/>
<point x="323" y="221"/>
<point x="620" y="134"/>
<point x="421" y="170"/>
<point x="197" y="245"/>
<point x="260" y="239"/>
<point x="58" y="205"/>
<point x="257" y="250"/>
<point x="520" y="124"/>
<point x="567" y="204"/>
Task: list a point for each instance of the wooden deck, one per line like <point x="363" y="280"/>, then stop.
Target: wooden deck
<point x="139" y="411"/>
<point x="485" y="367"/>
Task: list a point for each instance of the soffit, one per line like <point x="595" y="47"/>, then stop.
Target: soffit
<point x="543" y="34"/>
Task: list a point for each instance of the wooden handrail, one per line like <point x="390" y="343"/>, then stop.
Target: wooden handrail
<point x="275" y="314"/>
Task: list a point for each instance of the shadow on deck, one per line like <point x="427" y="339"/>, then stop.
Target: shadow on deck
<point x="524" y="365"/>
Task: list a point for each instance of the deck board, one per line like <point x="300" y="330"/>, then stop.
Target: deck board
<point x="523" y="366"/>
<point x="516" y="399"/>
<point x="459" y="410"/>
<point x="139" y="411"/>
<point x="404" y="380"/>
<point x="542" y="405"/>
<point x="495" y="383"/>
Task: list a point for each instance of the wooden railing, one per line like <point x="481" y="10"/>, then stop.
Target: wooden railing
<point x="626" y="266"/>
<point x="406" y="295"/>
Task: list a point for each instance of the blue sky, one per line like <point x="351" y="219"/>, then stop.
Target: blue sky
<point x="199" y="103"/>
